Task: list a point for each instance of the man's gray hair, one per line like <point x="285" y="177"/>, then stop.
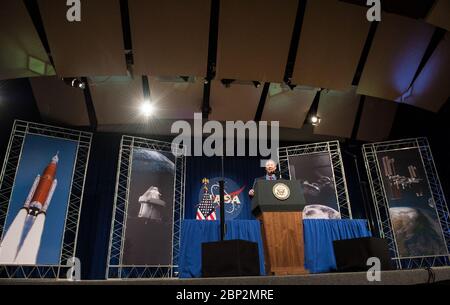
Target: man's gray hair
<point x="273" y="161"/>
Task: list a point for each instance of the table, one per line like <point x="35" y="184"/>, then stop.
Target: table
<point x="318" y="236"/>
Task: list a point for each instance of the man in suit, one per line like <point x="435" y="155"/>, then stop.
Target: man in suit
<point x="271" y="167"/>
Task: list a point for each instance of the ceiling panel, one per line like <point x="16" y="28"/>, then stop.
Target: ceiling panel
<point x="289" y="107"/>
<point x="337" y="110"/>
<point x="238" y="102"/>
<point x="57" y="102"/>
<point x="397" y="49"/>
<point x="170" y="37"/>
<point x="22" y="53"/>
<point x="176" y="100"/>
<point x="376" y="120"/>
<point x="254" y="39"/>
<point x="440" y="14"/>
<point x="117" y="100"/>
<point x="331" y="41"/>
<point x="93" y="46"/>
<point x="431" y="88"/>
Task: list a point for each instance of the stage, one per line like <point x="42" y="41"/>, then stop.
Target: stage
<point x="397" y="277"/>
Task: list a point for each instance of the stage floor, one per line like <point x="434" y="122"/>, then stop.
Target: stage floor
<point x="397" y="277"/>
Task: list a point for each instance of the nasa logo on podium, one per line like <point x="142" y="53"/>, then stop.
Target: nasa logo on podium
<point x="281" y="191"/>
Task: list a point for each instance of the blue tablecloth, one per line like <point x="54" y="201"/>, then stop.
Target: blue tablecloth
<point x="319" y="235"/>
<point x="195" y="232"/>
<point x="318" y="238"/>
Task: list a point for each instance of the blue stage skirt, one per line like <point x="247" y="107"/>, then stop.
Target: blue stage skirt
<point x="318" y="234"/>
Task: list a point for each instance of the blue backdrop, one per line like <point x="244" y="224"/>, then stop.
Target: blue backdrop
<point x="240" y="170"/>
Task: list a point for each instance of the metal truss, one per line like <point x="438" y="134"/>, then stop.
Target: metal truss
<point x="34" y="272"/>
<point x="333" y="150"/>
<point x="140" y="272"/>
<point x="373" y="168"/>
<point x="115" y="269"/>
<point x="7" y="178"/>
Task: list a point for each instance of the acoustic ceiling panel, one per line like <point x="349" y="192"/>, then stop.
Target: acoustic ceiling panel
<point x="22" y="53"/>
<point x="117" y="100"/>
<point x="58" y="102"/>
<point x="431" y="88"/>
<point x="170" y="37"/>
<point x="376" y="120"/>
<point x="440" y="14"/>
<point x="338" y="112"/>
<point x="176" y="100"/>
<point x="331" y="41"/>
<point x="289" y="107"/>
<point x="238" y="102"/>
<point x="254" y="39"/>
<point x="397" y="49"/>
<point x="93" y="46"/>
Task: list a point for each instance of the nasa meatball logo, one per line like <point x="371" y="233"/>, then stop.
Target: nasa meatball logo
<point x="234" y="200"/>
<point x="281" y="191"/>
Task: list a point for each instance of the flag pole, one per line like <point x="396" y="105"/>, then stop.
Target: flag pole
<point x="222" y="204"/>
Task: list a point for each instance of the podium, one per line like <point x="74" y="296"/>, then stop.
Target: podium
<point x="278" y="205"/>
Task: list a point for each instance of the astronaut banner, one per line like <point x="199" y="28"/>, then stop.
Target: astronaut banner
<point x="148" y="233"/>
<point x="315" y="172"/>
<point x="34" y="226"/>
<point x="412" y="211"/>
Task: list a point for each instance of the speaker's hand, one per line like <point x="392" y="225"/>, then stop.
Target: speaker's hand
<point x="251" y="193"/>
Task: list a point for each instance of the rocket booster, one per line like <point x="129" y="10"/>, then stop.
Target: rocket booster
<point x="42" y="190"/>
<point x="22" y="241"/>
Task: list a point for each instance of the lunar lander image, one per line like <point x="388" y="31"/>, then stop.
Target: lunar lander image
<point x="151" y="205"/>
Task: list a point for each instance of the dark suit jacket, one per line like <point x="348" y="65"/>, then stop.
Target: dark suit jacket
<point x="277" y="176"/>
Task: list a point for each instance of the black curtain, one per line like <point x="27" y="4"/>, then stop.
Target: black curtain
<point x="97" y="208"/>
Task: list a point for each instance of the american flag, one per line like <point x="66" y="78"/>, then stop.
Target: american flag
<point x="206" y="209"/>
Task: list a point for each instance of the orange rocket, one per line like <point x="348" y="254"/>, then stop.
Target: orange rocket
<point x="41" y="192"/>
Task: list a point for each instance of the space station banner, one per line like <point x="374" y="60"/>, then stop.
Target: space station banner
<point x="35" y="220"/>
<point x="148" y="228"/>
<point x="315" y="172"/>
<point x="412" y="211"/>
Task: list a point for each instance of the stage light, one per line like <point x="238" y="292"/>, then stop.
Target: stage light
<point x="315" y="120"/>
<point x="74" y="82"/>
<point x="290" y="84"/>
<point x="227" y="82"/>
<point x="147" y="108"/>
<point x="79" y="84"/>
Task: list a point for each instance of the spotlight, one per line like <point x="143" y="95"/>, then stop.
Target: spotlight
<point x="290" y="84"/>
<point x="227" y="82"/>
<point x="75" y="82"/>
<point x="315" y="120"/>
<point x="147" y="108"/>
<point x="256" y="84"/>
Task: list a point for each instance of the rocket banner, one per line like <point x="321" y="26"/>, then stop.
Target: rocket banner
<point x="34" y="226"/>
